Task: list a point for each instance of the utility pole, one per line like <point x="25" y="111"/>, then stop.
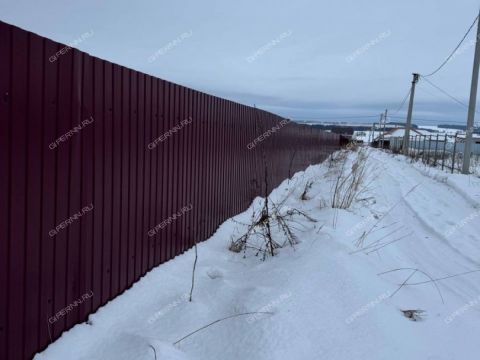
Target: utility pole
<point x="380" y="136"/>
<point x="384" y="127"/>
<point x="408" y="125"/>
<point x="471" y="105"/>
<point x="371" y="136"/>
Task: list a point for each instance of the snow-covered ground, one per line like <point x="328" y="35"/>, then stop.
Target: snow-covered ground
<point x="436" y="129"/>
<point x="324" y="298"/>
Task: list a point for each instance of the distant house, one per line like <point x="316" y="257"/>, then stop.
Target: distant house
<point x="398" y="132"/>
<point x="422" y="140"/>
<point x="360" y="136"/>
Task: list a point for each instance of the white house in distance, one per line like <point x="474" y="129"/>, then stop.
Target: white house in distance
<point x="425" y="140"/>
<point x="398" y="132"/>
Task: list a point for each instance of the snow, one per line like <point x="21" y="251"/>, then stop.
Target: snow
<point x="400" y="132"/>
<point x="441" y="130"/>
<point x="450" y="132"/>
<point x="324" y="298"/>
<point x="365" y="136"/>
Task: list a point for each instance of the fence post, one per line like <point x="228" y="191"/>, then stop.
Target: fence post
<point x="413" y="147"/>
<point x="429" y="149"/>
<point x="423" y="147"/>
<point x="435" y="157"/>
<point x="425" y="150"/>
<point x="419" y="146"/>
<point x="444" y="148"/>
<point x="454" y="151"/>
<point x="416" y="147"/>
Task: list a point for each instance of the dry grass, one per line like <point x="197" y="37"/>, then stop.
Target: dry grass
<point x="350" y="183"/>
<point x="308" y="186"/>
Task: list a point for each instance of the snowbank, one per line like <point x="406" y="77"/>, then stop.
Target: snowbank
<point x="324" y="298"/>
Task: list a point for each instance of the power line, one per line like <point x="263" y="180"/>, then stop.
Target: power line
<point x="403" y="103"/>
<point x="454" y="50"/>
<point x="445" y="92"/>
<point x="435" y="95"/>
<point x="428" y="92"/>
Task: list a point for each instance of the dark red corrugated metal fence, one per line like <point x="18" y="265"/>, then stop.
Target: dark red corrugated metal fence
<point x="75" y="213"/>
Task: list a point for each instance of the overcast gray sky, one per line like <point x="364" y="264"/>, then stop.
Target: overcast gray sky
<point x="304" y="59"/>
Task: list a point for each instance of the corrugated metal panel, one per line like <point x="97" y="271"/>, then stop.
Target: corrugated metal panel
<point x="53" y="252"/>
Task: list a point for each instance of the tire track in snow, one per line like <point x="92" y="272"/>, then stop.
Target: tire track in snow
<point x="427" y="198"/>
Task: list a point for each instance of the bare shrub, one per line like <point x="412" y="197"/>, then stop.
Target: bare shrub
<point x="349" y="185"/>
<point x="260" y="232"/>
<point x="352" y="146"/>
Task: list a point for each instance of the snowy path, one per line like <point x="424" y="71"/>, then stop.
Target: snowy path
<point x="432" y="211"/>
<point x="326" y="299"/>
